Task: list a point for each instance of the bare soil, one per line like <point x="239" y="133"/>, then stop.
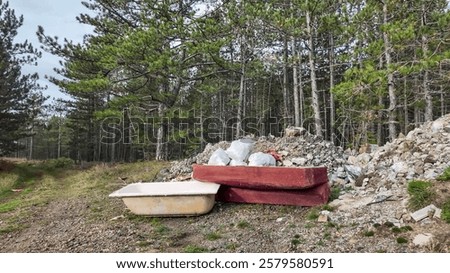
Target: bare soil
<point x="85" y="224"/>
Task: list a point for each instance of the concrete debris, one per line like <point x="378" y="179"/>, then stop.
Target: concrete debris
<point x="423" y="239"/>
<point x="425" y="212"/>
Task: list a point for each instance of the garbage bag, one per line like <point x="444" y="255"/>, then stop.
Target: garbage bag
<point x="219" y="158"/>
<point x="239" y="150"/>
<point x="261" y="159"/>
<point x="237" y="163"/>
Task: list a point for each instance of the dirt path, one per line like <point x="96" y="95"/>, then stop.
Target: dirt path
<point x="76" y="225"/>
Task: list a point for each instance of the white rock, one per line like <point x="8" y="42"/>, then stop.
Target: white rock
<point x="237" y="163"/>
<point x="430" y="174"/>
<point x="322" y="218"/>
<point x="364" y="158"/>
<point x="287" y="163"/>
<point x="261" y="159"/>
<point x="423" y="239"/>
<point x="352" y="160"/>
<point x="437" y="126"/>
<point x="437" y="213"/>
<point x="400" y="167"/>
<point x="219" y="158"/>
<point x="240" y="149"/>
<point x="423" y="213"/>
<point x="353" y="171"/>
<point x="300" y="161"/>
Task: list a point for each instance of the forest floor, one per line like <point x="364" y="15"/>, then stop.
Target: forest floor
<point x="48" y="207"/>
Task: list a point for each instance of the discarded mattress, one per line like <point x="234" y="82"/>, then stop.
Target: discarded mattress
<point x="263" y="178"/>
<point x="306" y="197"/>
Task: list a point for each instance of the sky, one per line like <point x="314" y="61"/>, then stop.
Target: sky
<point x="58" y="18"/>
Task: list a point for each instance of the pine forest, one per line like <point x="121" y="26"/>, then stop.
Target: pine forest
<point x="159" y="79"/>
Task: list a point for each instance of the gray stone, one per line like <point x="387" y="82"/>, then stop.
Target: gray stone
<point x="364" y="158"/>
<point x="353" y="160"/>
<point x="353" y="171"/>
<point x="323" y="218"/>
<point x="400" y="167"/>
<point x="437" y="126"/>
<point x="423" y="213"/>
<point x="437" y="213"/>
<point x="300" y="161"/>
<point x="287" y="163"/>
<point x="423" y="239"/>
<point x="430" y="174"/>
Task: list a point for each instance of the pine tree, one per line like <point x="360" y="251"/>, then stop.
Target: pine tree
<point x="20" y="96"/>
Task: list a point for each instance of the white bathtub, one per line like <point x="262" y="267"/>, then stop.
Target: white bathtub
<point x="168" y="198"/>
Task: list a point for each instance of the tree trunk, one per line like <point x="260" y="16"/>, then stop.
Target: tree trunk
<point x="285" y="78"/>
<point x="425" y="86"/>
<point x="390" y="79"/>
<point x="441" y="89"/>
<point x="295" y="82"/>
<point x="312" y="67"/>
<point x="405" y="106"/>
<point x="30" y="154"/>
<point x="160" y="141"/>
<point x="332" y="102"/>
<point x="380" y="139"/>
<point x="59" y="138"/>
<point x="241" y="91"/>
<point x="300" y="88"/>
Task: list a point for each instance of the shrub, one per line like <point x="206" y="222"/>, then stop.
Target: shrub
<point x="445" y="176"/>
<point x="335" y="193"/>
<point x="421" y="194"/>
<point x="59" y="163"/>
<point x="445" y="215"/>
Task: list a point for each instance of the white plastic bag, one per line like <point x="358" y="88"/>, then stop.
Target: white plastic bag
<point x="239" y="150"/>
<point x="237" y="163"/>
<point x="261" y="159"/>
<point x="219" y="158"/>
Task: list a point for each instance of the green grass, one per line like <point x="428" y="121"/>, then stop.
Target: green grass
<point x="12" y="228"/>
<point x="369" y="233"/>
<point x="421" y="194"/>
<point x="313" y="215"/>
<point x="195" y="249"/>
<point x="402" y="240"/>
<point x="212" y="236"/>
<point x="231" y="246"/>
<point x="10" y="206"/>
<point x="335" y="193"/>
<point x="401" y="229"/>
<point x="243" y="224"/>
<point x="445" y="176"/>
<point x="445" y="215"/>
<point x="327" y="207"/>
<point x="43" y="182"/>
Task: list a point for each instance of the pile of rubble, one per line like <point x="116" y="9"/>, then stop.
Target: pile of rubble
<point x="424" y="153"/>
<point x="379" y="192"/>
<point x="297" y="148"/>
